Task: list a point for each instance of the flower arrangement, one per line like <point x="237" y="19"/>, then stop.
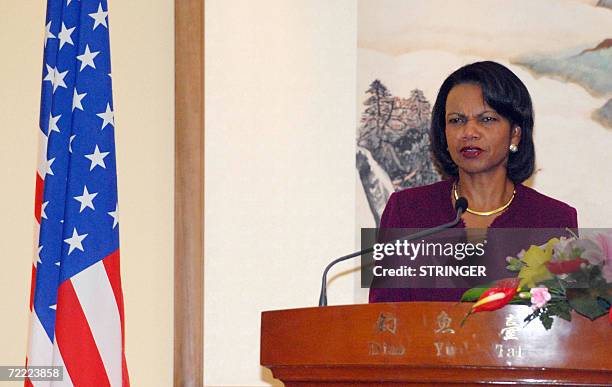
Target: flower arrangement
<point x="561" y="276"/>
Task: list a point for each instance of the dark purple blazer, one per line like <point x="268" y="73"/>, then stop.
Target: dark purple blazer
<point x="430" y="205"/>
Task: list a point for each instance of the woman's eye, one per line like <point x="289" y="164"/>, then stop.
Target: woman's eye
<point x="488" y="119"/>
<point x="454" y="120"/>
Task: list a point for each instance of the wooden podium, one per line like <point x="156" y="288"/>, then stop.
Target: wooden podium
<point x="421" y="343"/>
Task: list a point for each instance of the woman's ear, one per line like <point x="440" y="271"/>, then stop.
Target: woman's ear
<point x="515" y="136"/>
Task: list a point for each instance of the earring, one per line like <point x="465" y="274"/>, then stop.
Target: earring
<point x="513" y="148"/>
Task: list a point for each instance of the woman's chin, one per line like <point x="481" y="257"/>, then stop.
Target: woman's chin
<point x="476" y="169"/>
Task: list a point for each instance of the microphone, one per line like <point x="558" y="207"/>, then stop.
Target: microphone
<point x="461" y="205"/>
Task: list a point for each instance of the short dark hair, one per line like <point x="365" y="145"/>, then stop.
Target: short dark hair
<point x="505" y="93"/>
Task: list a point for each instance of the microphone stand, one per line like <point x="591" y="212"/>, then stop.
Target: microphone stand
<point x="460" y="205"/>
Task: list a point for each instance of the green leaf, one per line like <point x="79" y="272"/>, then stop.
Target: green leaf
<point x="551" y="283"/>
<point x="596" y="279"/>
<point x="606" y="294"/>
<point x="603" y="303"/>
<point x="515" y="264"/>
<point x="546" y="320"/>
<point x="473" y="294"/>
<point x="587" y="306"/>
<point x="561" y="309"/>
<point x="520" y="301"/>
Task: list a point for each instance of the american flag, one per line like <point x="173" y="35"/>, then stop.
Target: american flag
<point x="76" y="301"/>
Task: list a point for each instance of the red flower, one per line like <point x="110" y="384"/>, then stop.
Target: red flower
<point x="563" y="267"/>
<point x="494" y="298"/>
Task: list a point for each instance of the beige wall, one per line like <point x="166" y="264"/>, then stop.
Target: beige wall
<point x="280" y="175"/>
<point x="21" y="65"/>
<point x="142" y="39"/>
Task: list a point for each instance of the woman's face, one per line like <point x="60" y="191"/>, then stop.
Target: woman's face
<point x="478" y="137"/>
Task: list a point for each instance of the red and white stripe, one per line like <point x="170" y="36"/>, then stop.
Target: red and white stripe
<point x="89" y="330"/>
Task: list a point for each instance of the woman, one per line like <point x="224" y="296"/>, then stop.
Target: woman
<point x="481" y="132"/>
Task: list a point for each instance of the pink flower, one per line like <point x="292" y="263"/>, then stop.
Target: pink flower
<point x="605" y="241"/>
<point x="539" y="297"/>
<point x="603" y="256"/>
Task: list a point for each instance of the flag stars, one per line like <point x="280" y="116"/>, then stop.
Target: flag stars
<point x="64" y="35"/>
<point x="115" y="216"/>
<point x="39" y="260"/>
<point x="43" y="215"/>
<point x="70" y="143"/>
<point x="50" y="74"/>
<point x="59" y="80"/>
<point x="48" y="34"/>
<point x="86" y="199"/>
<point x="48" y="170"/>
<point x="97" y="158"/>
<point x="76" y="100"/>
<point x="55" y="77"/>
<point x="99" y="17"/>
<point x="108" y="116"/>
<point x="75" y="241"/>
<point x="53" y="124"/>
<point x="87" y="58"/>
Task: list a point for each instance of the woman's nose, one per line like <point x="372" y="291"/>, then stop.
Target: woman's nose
<point x="471" y="131"/>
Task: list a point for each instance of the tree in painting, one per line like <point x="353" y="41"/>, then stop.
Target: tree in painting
<point x="393" y="146"/>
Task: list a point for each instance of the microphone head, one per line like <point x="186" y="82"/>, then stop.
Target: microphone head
<point x="461" y="204"/>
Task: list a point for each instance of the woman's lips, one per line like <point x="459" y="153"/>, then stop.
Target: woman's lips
<point x="471" y="152"/>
